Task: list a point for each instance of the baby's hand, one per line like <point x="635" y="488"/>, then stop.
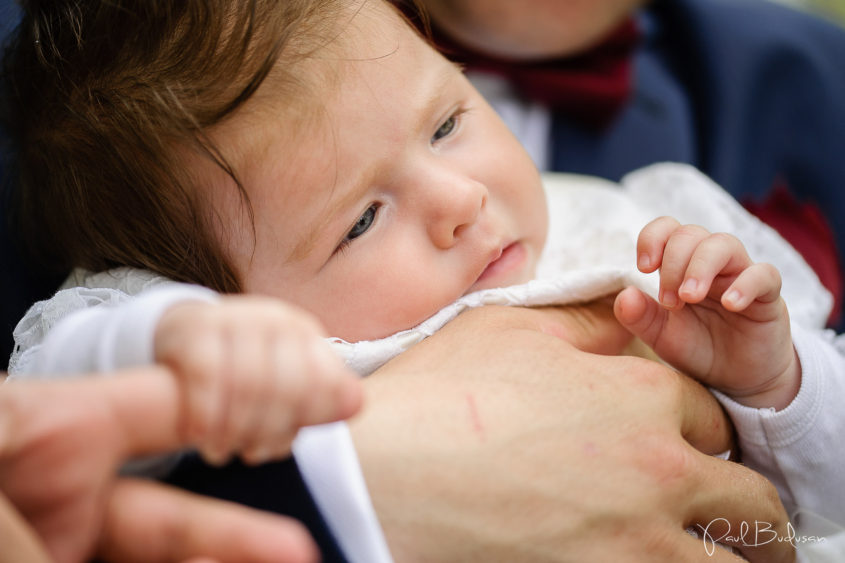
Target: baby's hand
<point x="721" y="318"/>
<point x="253" y="371"/>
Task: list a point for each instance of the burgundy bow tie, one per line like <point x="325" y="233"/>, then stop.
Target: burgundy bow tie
<point x="590" y="88"/>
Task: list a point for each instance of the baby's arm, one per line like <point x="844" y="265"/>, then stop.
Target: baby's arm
<point x="88" y="330"/>
<point x="720" y="318"/>
<point x="793" y="446"/>
<point x="97" y="329"/>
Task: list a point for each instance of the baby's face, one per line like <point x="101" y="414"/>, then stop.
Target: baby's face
<point x="399" y="193"/>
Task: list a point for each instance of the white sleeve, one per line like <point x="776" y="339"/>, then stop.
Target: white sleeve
<point x="94" y="329"/>
<point x="800" y="447"/>
<point x="99" y="329"/>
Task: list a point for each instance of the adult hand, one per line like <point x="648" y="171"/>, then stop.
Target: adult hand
<point x="496" y="440"/>
<point x="61" y="444"/>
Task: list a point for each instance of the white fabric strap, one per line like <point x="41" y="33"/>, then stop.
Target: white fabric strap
<point x="329" y="465"/>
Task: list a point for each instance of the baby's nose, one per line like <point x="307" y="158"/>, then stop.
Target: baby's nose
<point x="455" y="207"/>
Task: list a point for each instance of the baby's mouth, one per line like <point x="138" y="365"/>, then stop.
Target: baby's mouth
<point x="507" y="259"/>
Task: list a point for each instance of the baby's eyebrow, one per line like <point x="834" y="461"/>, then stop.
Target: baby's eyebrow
<point x="434" y="93"/>
<point x="312" y="234"/>
<point x="305" y="245"/>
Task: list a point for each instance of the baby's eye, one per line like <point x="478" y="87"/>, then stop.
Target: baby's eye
<point x="362" y="225"/>
<point x="445" y="129"/>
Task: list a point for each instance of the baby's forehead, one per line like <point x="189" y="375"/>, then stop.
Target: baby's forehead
<point x="298" y="90"/>
<point x="320" y="67"/>
<point x="301" y="112"/>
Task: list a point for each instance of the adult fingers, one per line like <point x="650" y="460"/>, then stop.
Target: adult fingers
<point x="734" y="505"/>
<point x="137" y="411"/>
<point x="149" y="522"/>
<point x="147" y="409"/>
<point x="693" y="548"/>
<point x="703" y="422"/>
<point x="19" y="542"/>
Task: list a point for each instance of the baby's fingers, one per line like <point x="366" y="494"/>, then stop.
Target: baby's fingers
<point x="652" y="241"/>
<point x="244" y="384"/>
<point x="191" y="341"/>
<point x="336" y="393"/>
<point x="759" y="282"/>
<point x="678" y="251"/>
<point x="312" y="386"/>
<point x="274" y="426"/>
<point x="716" y="254"/>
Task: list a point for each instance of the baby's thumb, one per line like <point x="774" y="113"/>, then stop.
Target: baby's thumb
<point x="640" y="314"/>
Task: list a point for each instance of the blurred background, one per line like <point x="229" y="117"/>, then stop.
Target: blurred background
<point x="834" y="9"/>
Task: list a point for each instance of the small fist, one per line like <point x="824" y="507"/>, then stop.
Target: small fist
<point x="253" y="370"/>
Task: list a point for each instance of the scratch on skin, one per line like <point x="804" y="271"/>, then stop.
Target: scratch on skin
<point x="475" y="417"/>
<point x="591" y="449"/>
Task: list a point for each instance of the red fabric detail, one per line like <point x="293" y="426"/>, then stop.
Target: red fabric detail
<point x="806" y="228"/>
<point x="590" y="88"/>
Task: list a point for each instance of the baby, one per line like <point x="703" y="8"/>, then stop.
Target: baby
<point x="352" y="172"/>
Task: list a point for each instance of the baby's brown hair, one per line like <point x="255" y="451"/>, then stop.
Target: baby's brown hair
<point x="106" y="95"/>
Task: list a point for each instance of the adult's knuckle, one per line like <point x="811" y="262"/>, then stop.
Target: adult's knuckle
<point x="670" y="464"/>
<point x="657" y="542"/>
<point x="766" y="492"/>
<point x="657" y="378"/>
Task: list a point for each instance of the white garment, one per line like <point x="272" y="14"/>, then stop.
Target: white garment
<point x="591" y="253"/>
<point x="99" y="336"/>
